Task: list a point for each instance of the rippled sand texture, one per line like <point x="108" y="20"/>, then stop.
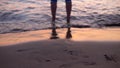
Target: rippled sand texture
<point x="22" y="15"/>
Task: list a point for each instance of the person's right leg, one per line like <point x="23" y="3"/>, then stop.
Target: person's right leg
<point x="53" y="12"/>
<point x="53" y="9"/>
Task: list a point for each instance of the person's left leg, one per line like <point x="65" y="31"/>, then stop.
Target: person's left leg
<point x="68" y="9"/>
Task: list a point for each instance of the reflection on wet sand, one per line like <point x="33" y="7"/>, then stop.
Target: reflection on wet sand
<point x="54" y="34"/>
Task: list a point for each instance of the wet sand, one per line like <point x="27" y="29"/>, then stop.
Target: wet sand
<point x="79" y="34"/>
<point x="89" y="48"/>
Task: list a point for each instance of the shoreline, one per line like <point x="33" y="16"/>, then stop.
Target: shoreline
<point x="63" y="27"/>
<point x="83" y="34"/>
<point x="88" y="48"/>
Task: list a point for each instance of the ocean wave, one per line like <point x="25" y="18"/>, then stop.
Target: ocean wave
<point x="24" y="15"/>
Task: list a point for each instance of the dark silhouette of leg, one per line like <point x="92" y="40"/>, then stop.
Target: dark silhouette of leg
<point x="53" y="12"/>
<point x="68" y="11"/>
<point x="68" y="34"/>
<point x="54" y="33"/>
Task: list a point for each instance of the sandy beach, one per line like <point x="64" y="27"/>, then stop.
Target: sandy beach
<point x="25" y="34"/>
<point x="89" y="48"/>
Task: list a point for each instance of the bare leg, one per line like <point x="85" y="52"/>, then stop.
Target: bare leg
<point x="68" y="11"/>
<point x="53" y="12"/>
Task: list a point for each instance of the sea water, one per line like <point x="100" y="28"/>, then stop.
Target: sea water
<point x="23" y="15"/>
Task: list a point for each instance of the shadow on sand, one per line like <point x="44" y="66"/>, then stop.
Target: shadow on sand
<point x="60" y="53"/>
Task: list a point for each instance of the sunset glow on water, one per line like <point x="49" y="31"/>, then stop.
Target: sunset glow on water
<point x="35" y="14"/>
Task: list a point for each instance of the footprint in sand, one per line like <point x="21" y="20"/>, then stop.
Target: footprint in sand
<point x="22" y="50"/>
<point x="110" y="58"/>
<point x="71" y="52"/>
<point x="47" y="60"/>
<point x="65" y="66"/>
<point x="89" y="63"/>
<point x="76" y="63"/>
